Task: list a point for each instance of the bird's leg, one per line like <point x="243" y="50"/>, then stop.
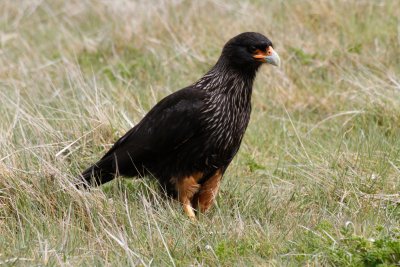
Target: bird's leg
<point x="208" y="191"/>
<point x="187" y="187"/>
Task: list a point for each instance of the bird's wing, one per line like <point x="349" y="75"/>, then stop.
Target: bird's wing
<point x="172" y="122"/>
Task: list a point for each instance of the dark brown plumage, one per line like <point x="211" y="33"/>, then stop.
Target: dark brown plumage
<point x="190" y="137"/>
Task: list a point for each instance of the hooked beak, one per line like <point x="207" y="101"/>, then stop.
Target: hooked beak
<point x="269" y="56"/>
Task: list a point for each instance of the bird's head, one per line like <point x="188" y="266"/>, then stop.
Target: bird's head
<point x="249" y="50"/>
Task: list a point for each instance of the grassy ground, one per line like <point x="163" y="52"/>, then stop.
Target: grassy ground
<point x="316" y="181"/>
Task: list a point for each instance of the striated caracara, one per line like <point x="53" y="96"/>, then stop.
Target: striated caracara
<point x="189" y="138"/>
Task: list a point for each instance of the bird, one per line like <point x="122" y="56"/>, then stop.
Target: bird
<point x="189" y="138"/>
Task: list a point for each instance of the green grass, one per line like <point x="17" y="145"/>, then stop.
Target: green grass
<point x="315" y="183"/>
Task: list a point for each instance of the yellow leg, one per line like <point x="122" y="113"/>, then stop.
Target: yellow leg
<point x="187" y="208"/>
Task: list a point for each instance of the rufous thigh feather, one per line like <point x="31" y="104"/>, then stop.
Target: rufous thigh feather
<point x="187" y="187"/>
<point x="208" y="191"/>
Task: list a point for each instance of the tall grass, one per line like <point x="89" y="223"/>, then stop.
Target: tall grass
<point x="316" y="181"/>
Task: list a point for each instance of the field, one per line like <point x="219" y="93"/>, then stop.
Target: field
<point x="315" y="183"/>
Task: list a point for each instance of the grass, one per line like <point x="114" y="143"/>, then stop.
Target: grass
<point x="316" y="181"/>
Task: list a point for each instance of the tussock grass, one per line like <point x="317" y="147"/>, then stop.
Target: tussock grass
<point x="316" y="181"/>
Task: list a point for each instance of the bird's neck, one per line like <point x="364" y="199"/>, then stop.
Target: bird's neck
<point x="223" y="79"/>
<point x="227" y="105"/>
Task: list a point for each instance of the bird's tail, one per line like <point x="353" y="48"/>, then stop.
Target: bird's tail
<point x="99" y="173"/>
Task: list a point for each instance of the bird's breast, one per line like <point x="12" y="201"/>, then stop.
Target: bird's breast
<point x="225" y="123"/>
